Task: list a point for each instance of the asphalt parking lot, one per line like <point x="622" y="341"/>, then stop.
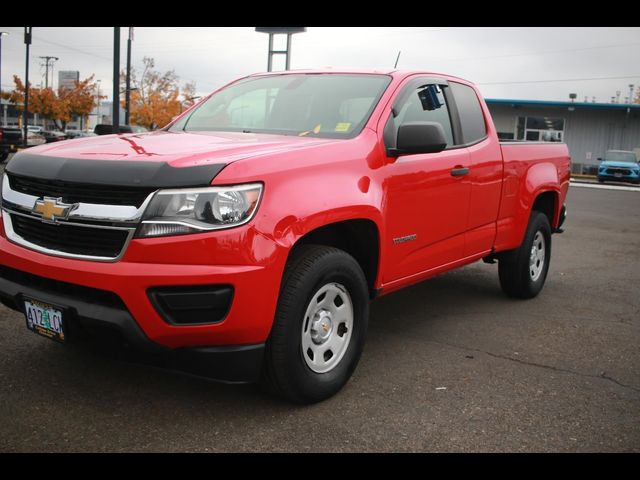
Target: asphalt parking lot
<point x="450" y="365"/>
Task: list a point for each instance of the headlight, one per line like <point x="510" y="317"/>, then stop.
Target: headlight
<point x="194" y="210"/>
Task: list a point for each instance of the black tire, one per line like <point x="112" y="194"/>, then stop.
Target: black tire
<point x="285" y="371"/>
<point x="3" y="156"/>
<point x="601" y="180"/>
<point x="516" y="279"/>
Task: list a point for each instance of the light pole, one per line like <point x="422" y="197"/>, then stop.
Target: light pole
<point x="2" y="34"/>
<point x="127" y="104"/>
<point x="27" y="42"/>
<point x="289" y="31"/>
<point x="115" y="116"/>
<point x="127" y="97"/>
<point x="98" y="120"/>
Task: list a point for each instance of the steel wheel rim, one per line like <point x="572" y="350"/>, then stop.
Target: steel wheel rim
<point x="327" y="327"/>
<point x="537" y="256"/>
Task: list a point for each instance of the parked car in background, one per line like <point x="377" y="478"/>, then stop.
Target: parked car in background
<point x="619" y="165"/>
<point x="35" y="138"/>
<point x="107" y="129"/>
<point x="79" y="133"/>
<point x="35" y="128"/>
<point x="10" y="140"/>
<point x="54" y="136"/>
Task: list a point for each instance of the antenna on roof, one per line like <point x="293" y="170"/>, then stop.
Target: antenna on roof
<point x="397" y="58"/>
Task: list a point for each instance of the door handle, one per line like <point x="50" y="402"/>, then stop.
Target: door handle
<point x="459" y="171"/>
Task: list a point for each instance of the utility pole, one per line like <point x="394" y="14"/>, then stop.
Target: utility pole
<point x="27" y="42"/>
<point x="127" y="92"/>
<point x="98" y="116"/>
<point x="116" y="80"/>
<point x="2" y="34"/>
<point x="48" y="59"/>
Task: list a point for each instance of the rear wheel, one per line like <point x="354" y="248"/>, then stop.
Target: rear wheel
<point x="523" y="271"/>
<point x="3" y="156"/>
<point x="320" y="325"/>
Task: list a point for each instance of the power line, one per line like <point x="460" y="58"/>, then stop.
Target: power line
<point x="542" y="52"/>
<point x="68" y="47"/>
<point x="558" y="80"/>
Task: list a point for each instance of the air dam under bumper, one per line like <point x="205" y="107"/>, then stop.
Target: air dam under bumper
<point x="101" y="317"/>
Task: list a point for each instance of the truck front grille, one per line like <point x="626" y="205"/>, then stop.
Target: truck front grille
<point x="72" y="192"/>
<point x="71" y="239"/>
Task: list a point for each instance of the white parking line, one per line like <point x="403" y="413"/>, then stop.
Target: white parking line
<point x="605" y="187"/>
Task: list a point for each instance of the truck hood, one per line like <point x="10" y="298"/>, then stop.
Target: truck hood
<point x="151" y="160"/>
<point x="605" y="163"/>
<point x="179" y="149"/>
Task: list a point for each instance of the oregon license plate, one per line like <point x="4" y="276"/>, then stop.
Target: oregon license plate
<point x="44" y="319"/>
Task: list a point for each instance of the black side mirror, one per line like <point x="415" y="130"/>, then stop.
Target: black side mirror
<point x="419" y="137"/>
<point x="599" y="159"/>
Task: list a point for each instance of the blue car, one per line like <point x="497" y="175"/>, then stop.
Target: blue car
<point x="619" y="165"/>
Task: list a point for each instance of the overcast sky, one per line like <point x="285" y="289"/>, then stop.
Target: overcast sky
<point x="518" y="62"/>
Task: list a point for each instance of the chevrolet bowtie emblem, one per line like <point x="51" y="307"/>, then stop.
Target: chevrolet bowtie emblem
<point x="53" y="209"/>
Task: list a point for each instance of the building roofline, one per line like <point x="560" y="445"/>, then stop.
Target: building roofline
<point x="551" y="103"/>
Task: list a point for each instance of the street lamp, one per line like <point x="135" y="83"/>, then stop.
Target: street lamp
<point x="289" y="31"/>
<point x="2" y="34"/>
<point x="98" y="119"/>
<point x="127" y="103"/>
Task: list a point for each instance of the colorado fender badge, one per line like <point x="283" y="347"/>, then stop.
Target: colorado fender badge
<point x="406" y="238"/>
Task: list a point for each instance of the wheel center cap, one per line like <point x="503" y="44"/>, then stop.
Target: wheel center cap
<point x="321" y="327"/>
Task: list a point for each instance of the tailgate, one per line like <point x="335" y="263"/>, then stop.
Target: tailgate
<point x="10" y="135"/>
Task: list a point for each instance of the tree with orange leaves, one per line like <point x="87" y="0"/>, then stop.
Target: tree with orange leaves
<point x="57" y="106"/>
<point x="156" y="97"/>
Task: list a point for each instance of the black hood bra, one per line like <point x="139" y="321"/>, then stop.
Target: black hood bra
<point x="117" y="173"/>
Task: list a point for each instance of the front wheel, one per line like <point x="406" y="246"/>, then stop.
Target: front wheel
<point x="320" y="325"/>
<point x="523" y="271"/>
<point x="3" y="156"/>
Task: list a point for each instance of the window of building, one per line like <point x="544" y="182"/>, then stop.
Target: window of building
<point x="540" y="129"/>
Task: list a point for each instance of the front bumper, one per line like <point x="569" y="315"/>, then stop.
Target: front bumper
<point x="241" y="258"/>
<point x="101" y="318"/>
<point x="632" y="178"/>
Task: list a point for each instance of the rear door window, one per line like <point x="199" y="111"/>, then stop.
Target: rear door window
<point x="470" y="112"/>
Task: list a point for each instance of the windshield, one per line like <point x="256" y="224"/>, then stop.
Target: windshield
<point x="318" y="105"/>
<point x="621" y="157"/>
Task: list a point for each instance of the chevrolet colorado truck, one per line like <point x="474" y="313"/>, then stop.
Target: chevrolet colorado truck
<point x="245" y="240"/>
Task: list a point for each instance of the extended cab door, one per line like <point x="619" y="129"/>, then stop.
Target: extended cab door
<point x="485" y="172"/>
<point x="427" y="195"/>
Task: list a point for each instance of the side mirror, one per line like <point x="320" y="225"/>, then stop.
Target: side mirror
<point x="419" y="137"/>
<point x="599" y="159"/>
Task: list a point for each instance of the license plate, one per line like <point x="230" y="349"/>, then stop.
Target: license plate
<point x="617" y="175"/>
<point x="44" y="319"/>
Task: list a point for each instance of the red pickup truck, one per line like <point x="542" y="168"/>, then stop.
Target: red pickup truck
<point x="245" y="240"/>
